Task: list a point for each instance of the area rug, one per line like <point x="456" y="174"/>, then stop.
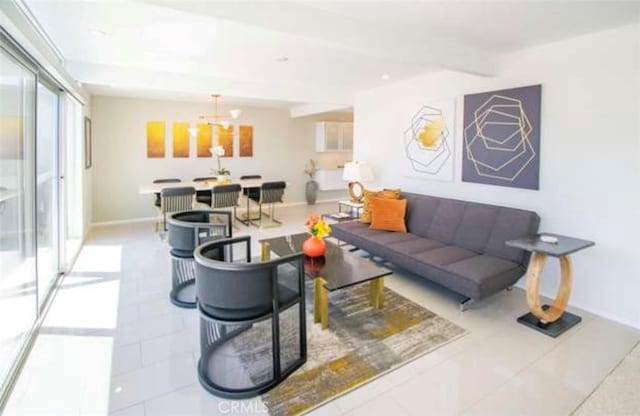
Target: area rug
<point x="360" y="345"/>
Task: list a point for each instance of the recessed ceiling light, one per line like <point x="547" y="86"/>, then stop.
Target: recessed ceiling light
<point x="385" y="76"/>
<point x="282" y="59"/>
<point x="97" y="32"/>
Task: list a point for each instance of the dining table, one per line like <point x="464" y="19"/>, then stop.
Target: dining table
<point x="155" y="188"/>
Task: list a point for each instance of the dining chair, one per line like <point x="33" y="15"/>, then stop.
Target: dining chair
<point x="204" y="197"/>
<point x="271" y="193"/>
<point x="187" y="230"/>
<point x="248" y="193"/>
<point x="166" y="180"/>
<point x="226" y="196"/>
<point x="252" y="318"/>
<point x="174" y="200"/>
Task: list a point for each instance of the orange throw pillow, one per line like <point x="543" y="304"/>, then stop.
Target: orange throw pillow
<point x="365" y="216"/>
<point x="388" y="214"/>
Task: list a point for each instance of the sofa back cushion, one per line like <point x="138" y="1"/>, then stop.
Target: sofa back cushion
<point x="479" y="227"/>
<point x="420" y="212"/>
<point x="511" y="223"/>
<point x="445" y="222"/>
<point x="476" y="226"/>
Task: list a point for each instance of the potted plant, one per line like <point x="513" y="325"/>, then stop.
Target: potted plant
<point x="224" y="175"/>
<point x="311" y="187"/>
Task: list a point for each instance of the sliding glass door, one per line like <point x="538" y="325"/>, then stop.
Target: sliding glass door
<point x="18" y="288"/>
<point x="47" y="190"/>
<point x="41" y="196"/>
<point x="72" y="168"/>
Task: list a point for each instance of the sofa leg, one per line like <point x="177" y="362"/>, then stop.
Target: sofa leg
<point x="509" y="288"/>
<point x="465" y="303"/>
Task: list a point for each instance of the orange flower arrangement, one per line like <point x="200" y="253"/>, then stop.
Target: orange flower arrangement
<point x="317" y="227"/>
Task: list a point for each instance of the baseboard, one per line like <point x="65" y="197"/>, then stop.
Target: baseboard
<point x="148" y="219"/>
<point x="128" y="221"/>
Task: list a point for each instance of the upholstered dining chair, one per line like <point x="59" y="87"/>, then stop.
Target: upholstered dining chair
<point x="252" y="318"/>
<point x="187" y="230"/>
<point x="204" y="197"/>
<point x="156" y="203"/>
<point x="271" y="193"/>
<point x="175" y="199"/>
<point x="226" y="196"/>
<point x="247" y="193"/>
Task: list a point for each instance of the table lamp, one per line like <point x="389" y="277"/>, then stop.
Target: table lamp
<point x="355" y="173"/>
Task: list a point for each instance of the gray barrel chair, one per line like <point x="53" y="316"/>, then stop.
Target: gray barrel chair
<point x="187" y="230"/>
<point x="252" y="318"/>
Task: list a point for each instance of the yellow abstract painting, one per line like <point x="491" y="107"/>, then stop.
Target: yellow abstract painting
<point x="204" y="140"/>
<point x="246" y="141"/>
<point x="180" y="139"/>
<point x="225" y="139"/>
<point x="155" y="139"/>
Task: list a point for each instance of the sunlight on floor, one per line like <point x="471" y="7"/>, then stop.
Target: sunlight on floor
<point x="99" y="259"/>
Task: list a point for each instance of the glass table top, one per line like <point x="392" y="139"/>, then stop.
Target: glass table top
<point x="338" y="267"/>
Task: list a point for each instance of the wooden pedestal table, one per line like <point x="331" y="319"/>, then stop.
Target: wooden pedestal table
<point x="552" y="320"/>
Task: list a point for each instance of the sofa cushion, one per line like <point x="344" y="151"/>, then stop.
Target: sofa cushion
<point x="365" y="215"/>
<point x="475" y="228"/>
<point x="488" y="273"/>
<point x="415" y="245"/>
<point x="444" y="255"/>
<point x="420" y="212"/>
<point x="388" y="214"/>
<point x="446" y="220"/>
<point x="511" y="223"/>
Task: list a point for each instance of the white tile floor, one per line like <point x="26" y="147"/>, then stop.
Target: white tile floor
<point x="113" y="344"/>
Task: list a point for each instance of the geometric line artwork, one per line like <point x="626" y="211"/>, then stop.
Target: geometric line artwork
<point x="501" y="138"/>
<point x="428" y="142"/>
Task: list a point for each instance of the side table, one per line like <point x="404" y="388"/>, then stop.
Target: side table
<point x="551" y="320"/>
<point x="354" y="207"/>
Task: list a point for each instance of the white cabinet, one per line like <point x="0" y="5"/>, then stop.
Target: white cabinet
<point x="330" y="179"/>
<point x="332" y="136"/>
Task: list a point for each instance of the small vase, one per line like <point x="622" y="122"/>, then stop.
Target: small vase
<point x="314" y="247"/>
<point x="311" y="192"/>
<point x="224" y="178"/>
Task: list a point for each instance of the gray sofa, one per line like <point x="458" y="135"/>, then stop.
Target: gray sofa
<point x="457" y="244"/>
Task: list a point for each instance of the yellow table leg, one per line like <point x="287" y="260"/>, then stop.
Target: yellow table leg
<point x="559" y="304"/>
<point x="265" y="251"/>
<point x="376" y="293"/>
<point x="320" y="303"/>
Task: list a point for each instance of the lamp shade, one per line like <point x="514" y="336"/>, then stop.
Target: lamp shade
<point x="357" y="172"/>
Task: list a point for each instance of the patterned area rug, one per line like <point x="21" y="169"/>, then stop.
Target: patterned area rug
<point x="360" y="345"/>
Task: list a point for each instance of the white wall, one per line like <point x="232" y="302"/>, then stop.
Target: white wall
<point x="589" y="162"/>
<point x="282" y="146"/>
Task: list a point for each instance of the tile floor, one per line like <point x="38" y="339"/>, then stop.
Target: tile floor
<point x="113" y="344"/>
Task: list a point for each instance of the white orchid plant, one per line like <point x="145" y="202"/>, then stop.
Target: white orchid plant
<point x="218" y="151"/>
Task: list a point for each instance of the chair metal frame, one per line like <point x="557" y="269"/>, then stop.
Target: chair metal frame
<point x="271" y="193"/>
<point x="246" y="192"/>
<point x="212" y="336"/>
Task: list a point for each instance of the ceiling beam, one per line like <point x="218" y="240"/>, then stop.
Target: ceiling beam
<point x="123" y="77"/>
<point x="344" y="33"/>
<point x="311" y="109"/>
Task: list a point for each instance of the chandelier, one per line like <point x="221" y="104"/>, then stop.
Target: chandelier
<point x="217" y="119"/>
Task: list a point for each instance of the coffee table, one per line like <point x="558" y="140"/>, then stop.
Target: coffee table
<point x="337" y="269"/>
